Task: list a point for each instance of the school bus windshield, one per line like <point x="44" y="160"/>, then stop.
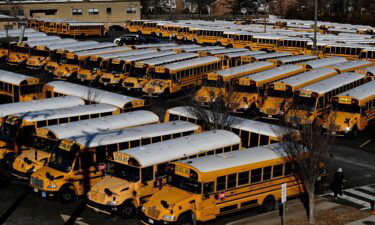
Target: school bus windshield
<point x="115" y="68"/>
<point x="163" y="76"/>
<point x="138" y="72"/>
<point x="43" y="144"/>
<point x="57" y="57"/>
<point x="8" y="132"/>
<point x="123" y="171"/>
<point x="304" y="103"/>
<point x="41" y="53"/>
<point x="16" y="48"/>
<point x="246" y="88"/>
<point x="213" y="83"/>
<point x="91" y="65"/>
<point x="62" y="160"/>
<point x="70" y="61"/>
<point x="349" y="108"/>
<point x="185" y="184"/>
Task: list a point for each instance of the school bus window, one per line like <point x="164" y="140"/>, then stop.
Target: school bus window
<point x="211" y="152"/>
<point x="84" y="117"/>
<point x="202" y="155"/>
<point x="112" y="148"/>
<point x="220" y="183"/>
<point x="166" y="137"/>
<point x="147" y="174"/>
<point x="156" y="139"/>
<point x="161" y="170"/>
<point x="232" y="181"/>
<point x="208" y="187"/>
<point x="264" y="140"/>
<point x="245" y="137"/>
<point x="187" y="133"/>
<point x="87" y="160"/>
<point x="135" y="143"/>
<point x="146" y="141"/>
<point x="227" y="149"/>
<point x="243" y="178"/>
<point x="193" y="156"/>
<point x="254" y="137"/>
<point x="267" y="173"/>
<point x="235" y="147"/>
<point x="63" y="120"/>
<point x="277" y="171"/>
<point x="176" y="135"/>
<point x="256" y="175"/>
<point x="100" y="154"/>
<point x="94" y="115"/>
<point x="41" y="123"/>
<point x="124" y="145"/>
<point x="74" y="118"/>
<point x="52" y="122"/>
<point x="219" y="150"/>
<point x="288" y="169"/>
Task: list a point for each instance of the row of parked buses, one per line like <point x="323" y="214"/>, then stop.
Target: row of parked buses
<point x="353" y="46"/>
<point x="314" y="91"/>
<point x="75" y="143"/>
<point x="67" y="28"/>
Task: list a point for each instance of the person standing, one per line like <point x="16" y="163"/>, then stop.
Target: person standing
<point x="338" y="182"/>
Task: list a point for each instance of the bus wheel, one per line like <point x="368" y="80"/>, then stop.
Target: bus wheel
<point x="9" y="159"/>
<point x="185" y="220"/>
<point x="67" y="195"/>
<point x="127" y="210"/>
<point x="268" y="204"/>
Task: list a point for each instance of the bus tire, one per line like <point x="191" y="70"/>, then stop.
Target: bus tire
<point x="9" y="159"/>
<point x="268" y="204"/>
<point x="185" y="219"/>
<point x="128" y="210"/>
<point x="67" y="195"/>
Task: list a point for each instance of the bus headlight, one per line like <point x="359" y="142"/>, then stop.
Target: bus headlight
<point x="68" y="75"/>
<point x="143" y="209"/>
<point x="139" y="86"/>
<point x="111" y="203"/>
<point x="52" y="186"/>
<point x="169" y="218"/>
<point x="347" y="129"/>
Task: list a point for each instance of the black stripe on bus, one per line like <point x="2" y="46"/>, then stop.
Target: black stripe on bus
<point x="251" y="202"/>
<point x="228" y="208"/>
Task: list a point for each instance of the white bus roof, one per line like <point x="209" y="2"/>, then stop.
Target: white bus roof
<point x="308" y="76"/>
<point x="204" y="48"/>
<point x="42" y="104"/>
<point x="239" y="123"/>
<point x="370" y="70"/>
<point x="265" y="75"/>
<point x="174" y="149"/>
<point x="332" y="83"/>
<point x="17" y="31"/>
<point x="248" y="53"/>
<point x="78" y="44"/>
<point x="39" y="39"/>
<point x="243" y="68"/>
<point x="292" y="59"/>
<point x="154" y="45"/>
<point x="351" y="65"/>
<point x="170" y="59"/>
<point x="50" y="114"/>
<point x="13" y="78"/>
<point x="84" y="24"/>
<point x="237" y="158"/>
<point x="134" y="133"/>
<point x="227" y="50"/>
<point x="182" y="47"/>
<point x="148" y="55"/>
<point x="324" y="62"/>
<point x="361" y="92"/>
<point x="84" y="92"/>
<point x="271" y="55"/>
<point x="62" y="45"/>
<point x="94" y="46"/>
<point x="127" y="53"/>
<point x="45" y="42"/>
<point x="191" y="62"/>
<point x="101" y="124"/>
<point x="105" y="50"/>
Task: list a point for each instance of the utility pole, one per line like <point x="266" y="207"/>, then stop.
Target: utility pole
<point x="315" y="25"/>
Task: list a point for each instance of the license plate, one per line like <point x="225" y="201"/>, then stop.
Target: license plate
<point x="128" y="89"/>
<point x="82" y="79"/>
<point x="269" y="116"/>
<point x="44" y="194"/>
<point x="151" y="221"/>
<point x="105" y="83"/>
<point x="36" y="190"/>
<point x="319" y="178"/>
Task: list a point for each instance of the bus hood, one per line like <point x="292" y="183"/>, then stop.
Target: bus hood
<point x="208" y="94"/>
<point x="341" y="121"/>
<point x="156" y="86"/>
<point x="27" y="161"/>
<point x="17" y="57"/>
<point x="36" y="61"/>
<point x="300" y="117"/>
<point x="65" y="70"/>
<point x="274" y="105"/>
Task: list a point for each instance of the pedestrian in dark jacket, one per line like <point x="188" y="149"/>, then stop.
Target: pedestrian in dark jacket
<point x="338" y="182"/>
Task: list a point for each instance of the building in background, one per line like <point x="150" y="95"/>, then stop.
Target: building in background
<point x="110" y="12"/>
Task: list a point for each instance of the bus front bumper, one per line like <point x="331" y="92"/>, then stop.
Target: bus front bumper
<point x="146" y="220"/>
<point x="51" y="195"/>
<point x="106" y="209"/>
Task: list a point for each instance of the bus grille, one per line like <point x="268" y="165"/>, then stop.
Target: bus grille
<point x="152" y="212"/>
<point x="59" y="73"/>
<point x="36" y="182"/>
<point x="50" y="67"/>
<point x="271" y="111"/>
<point x="150" y="90"/>
<point x="127" y="84"/>
<point x="82" y="76"/>
<point x="105" y="80"/>
<point x="202" y="99"/>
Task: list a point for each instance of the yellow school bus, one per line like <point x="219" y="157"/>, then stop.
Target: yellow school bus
<point x="169" y="30"/>
<point x="81" y="29"/>
<point x="218" y="84"/>
<point x="312" y="102"/>
<point x="41" y="54"/>
<point x="352" y="111"/>
<point x="175" y="77"/>
<point x="293" y="59"/>
<point x="350" y="51"/>
<point x="75" y="57"/>
<point x="15" y="87"/>
<point x="16" y="129"/>
<point x="241" y="40"/>
<point x="207" y="35"/>
<point x="324" y="62"/>
<point x="184" y="33"/>
<point x="78" y="159"/>
<point x="368" y="53"/>
<point x="202" y="189"/>
<point x="143" y="70"/>
<point x="351" y="66"/>
<point x="265" y="42"/>
<point x="142" y="170"/>
<point x="292" y="44"/>
<point x="265" y="57"/>
<point x="279" y="94"/>
<point x="134" y="26"/>
<point x="253" y="133"/>
<point x="236" y="59"/>
<point x="46" y="138"/>
<point x="250" y="89"/>
<point x="150" y="28"/>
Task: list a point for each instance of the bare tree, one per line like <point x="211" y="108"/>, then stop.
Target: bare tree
<point x="216" y="113"/>
<point x="310" y="150"/>
<point x="92" y="96"/>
